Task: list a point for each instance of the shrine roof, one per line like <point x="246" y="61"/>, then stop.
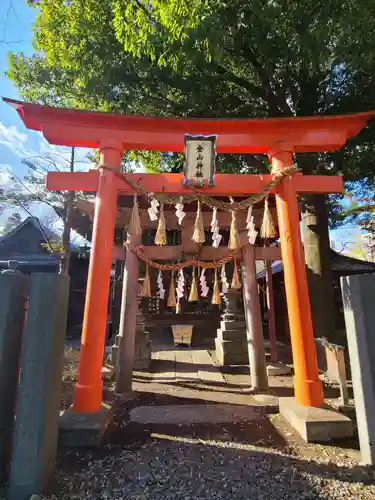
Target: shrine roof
<point x="341" y="264"/>
<point x="73" y="127"/>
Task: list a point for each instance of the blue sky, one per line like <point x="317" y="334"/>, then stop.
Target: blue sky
<point x="15" y="34"/>
<point x="16" y="142"/>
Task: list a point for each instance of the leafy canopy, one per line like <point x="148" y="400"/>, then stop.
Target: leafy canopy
<point x="213" y="58"/>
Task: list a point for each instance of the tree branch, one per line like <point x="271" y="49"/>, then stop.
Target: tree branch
<point x="240" y="81"/>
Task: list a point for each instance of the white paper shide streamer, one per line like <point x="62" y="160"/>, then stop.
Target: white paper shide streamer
<point x="203" y="283"/>
<point x="216" y="236"/>
<point x="180" y="214"/>
<point x="252" y="233"/>
<point x="153" y="210"/>
<point x="224" y="280"/>
<point x="180" y="284"/>
<point x="161" y="289"/>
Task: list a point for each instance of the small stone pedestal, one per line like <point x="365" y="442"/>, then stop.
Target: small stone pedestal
<point x="231" y="343"/>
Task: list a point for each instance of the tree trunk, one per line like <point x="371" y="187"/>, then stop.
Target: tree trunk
<point x="318" y="259"/>
<point x="318" y="255"/>
<point x="64" y="263"/>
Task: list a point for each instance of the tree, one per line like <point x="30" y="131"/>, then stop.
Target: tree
<point x="11" y="222"/>
<point x="218" y="59"/>
<point x="24" y="192"/>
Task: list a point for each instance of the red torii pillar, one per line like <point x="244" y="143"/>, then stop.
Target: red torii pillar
<point x="88" y="390"/>
<point x="308" y="389"/>
<point x="115" y="133"/>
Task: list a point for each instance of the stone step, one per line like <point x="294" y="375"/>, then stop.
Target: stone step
<point x="233" y="325"/>
<point x="231" y="352"/>
<point x="231" y="334"/>
<point x="195" y="414"/>
<point x="207" y="371"/>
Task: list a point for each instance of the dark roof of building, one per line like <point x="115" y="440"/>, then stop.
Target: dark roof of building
<point x="25" y="239"/>
<point x="341" y="264"/>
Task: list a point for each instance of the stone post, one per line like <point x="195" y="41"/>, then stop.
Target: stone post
<point x="142" y="354"/>
<point x="13" y="296"/>
<point x="255" y="342"/>
<point x="230" y="342"/>
<point x="128" y="315"/>
<point x="359" y="311"/>
<point x="36" y="424"/>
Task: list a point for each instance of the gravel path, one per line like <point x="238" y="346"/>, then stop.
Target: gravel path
<point x="260" y="459"/>
<point x="192" y="469"/>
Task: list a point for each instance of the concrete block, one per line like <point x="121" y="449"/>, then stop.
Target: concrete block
<point x="234" y="325"/>
<point x="36" y="427"/>
<point x="84" y="430"/>
<point x="278" y="369"/>
<point x="359" y="312"/>
<point x="194" y="414"/>
<point x="269" y="402"/>
<point x="231" y="352"/>
<point x="232" y="335"/>
<point x="13" y="295"/>
<point x="315" y="425"/>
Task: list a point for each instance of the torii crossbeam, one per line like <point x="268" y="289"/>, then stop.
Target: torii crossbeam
<point x="279" y="138"/>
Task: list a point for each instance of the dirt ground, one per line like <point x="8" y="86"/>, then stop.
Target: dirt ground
<point x="262" y="457"/>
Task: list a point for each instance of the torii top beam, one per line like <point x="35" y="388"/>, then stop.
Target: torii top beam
<point x="69" y="127"/>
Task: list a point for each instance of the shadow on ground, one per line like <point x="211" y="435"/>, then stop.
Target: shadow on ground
<point x="202" y="461"/>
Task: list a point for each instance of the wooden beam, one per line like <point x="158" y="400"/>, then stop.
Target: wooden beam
<point x="206" y="253"/>
<point x="225" y="184"/>
<point x="124" y="214"/>
<point x="267" y="253"/>
<point x="118" y="253"/>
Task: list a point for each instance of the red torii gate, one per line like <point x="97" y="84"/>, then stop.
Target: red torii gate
<point x="279" y="138"/>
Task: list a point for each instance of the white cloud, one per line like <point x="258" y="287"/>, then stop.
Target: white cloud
<point x="34" y="146"/>
<point x="5" y="175"/>
<point x="14" y="140"/>
<point x="11" y="137"/>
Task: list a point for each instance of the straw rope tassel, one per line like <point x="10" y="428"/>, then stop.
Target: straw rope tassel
<point x="198" y="235"/>
<point x="135" y="221"/>
<point x="234" y="238"/>
<point x="171" y="301"/>
<point x="236" y="284"/>
<point x="268" y="229"/>
<point x="193" y="295"/>
<point x="161" y="235"/>
<point x="146" y="286"/>
<point x="216" y="291"/>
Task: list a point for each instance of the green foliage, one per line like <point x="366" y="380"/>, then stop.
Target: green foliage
<point x="53" y="246"/>
<point x="218" y="58"/>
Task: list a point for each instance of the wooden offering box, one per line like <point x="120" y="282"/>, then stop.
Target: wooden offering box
<point x="182" y="334"/>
